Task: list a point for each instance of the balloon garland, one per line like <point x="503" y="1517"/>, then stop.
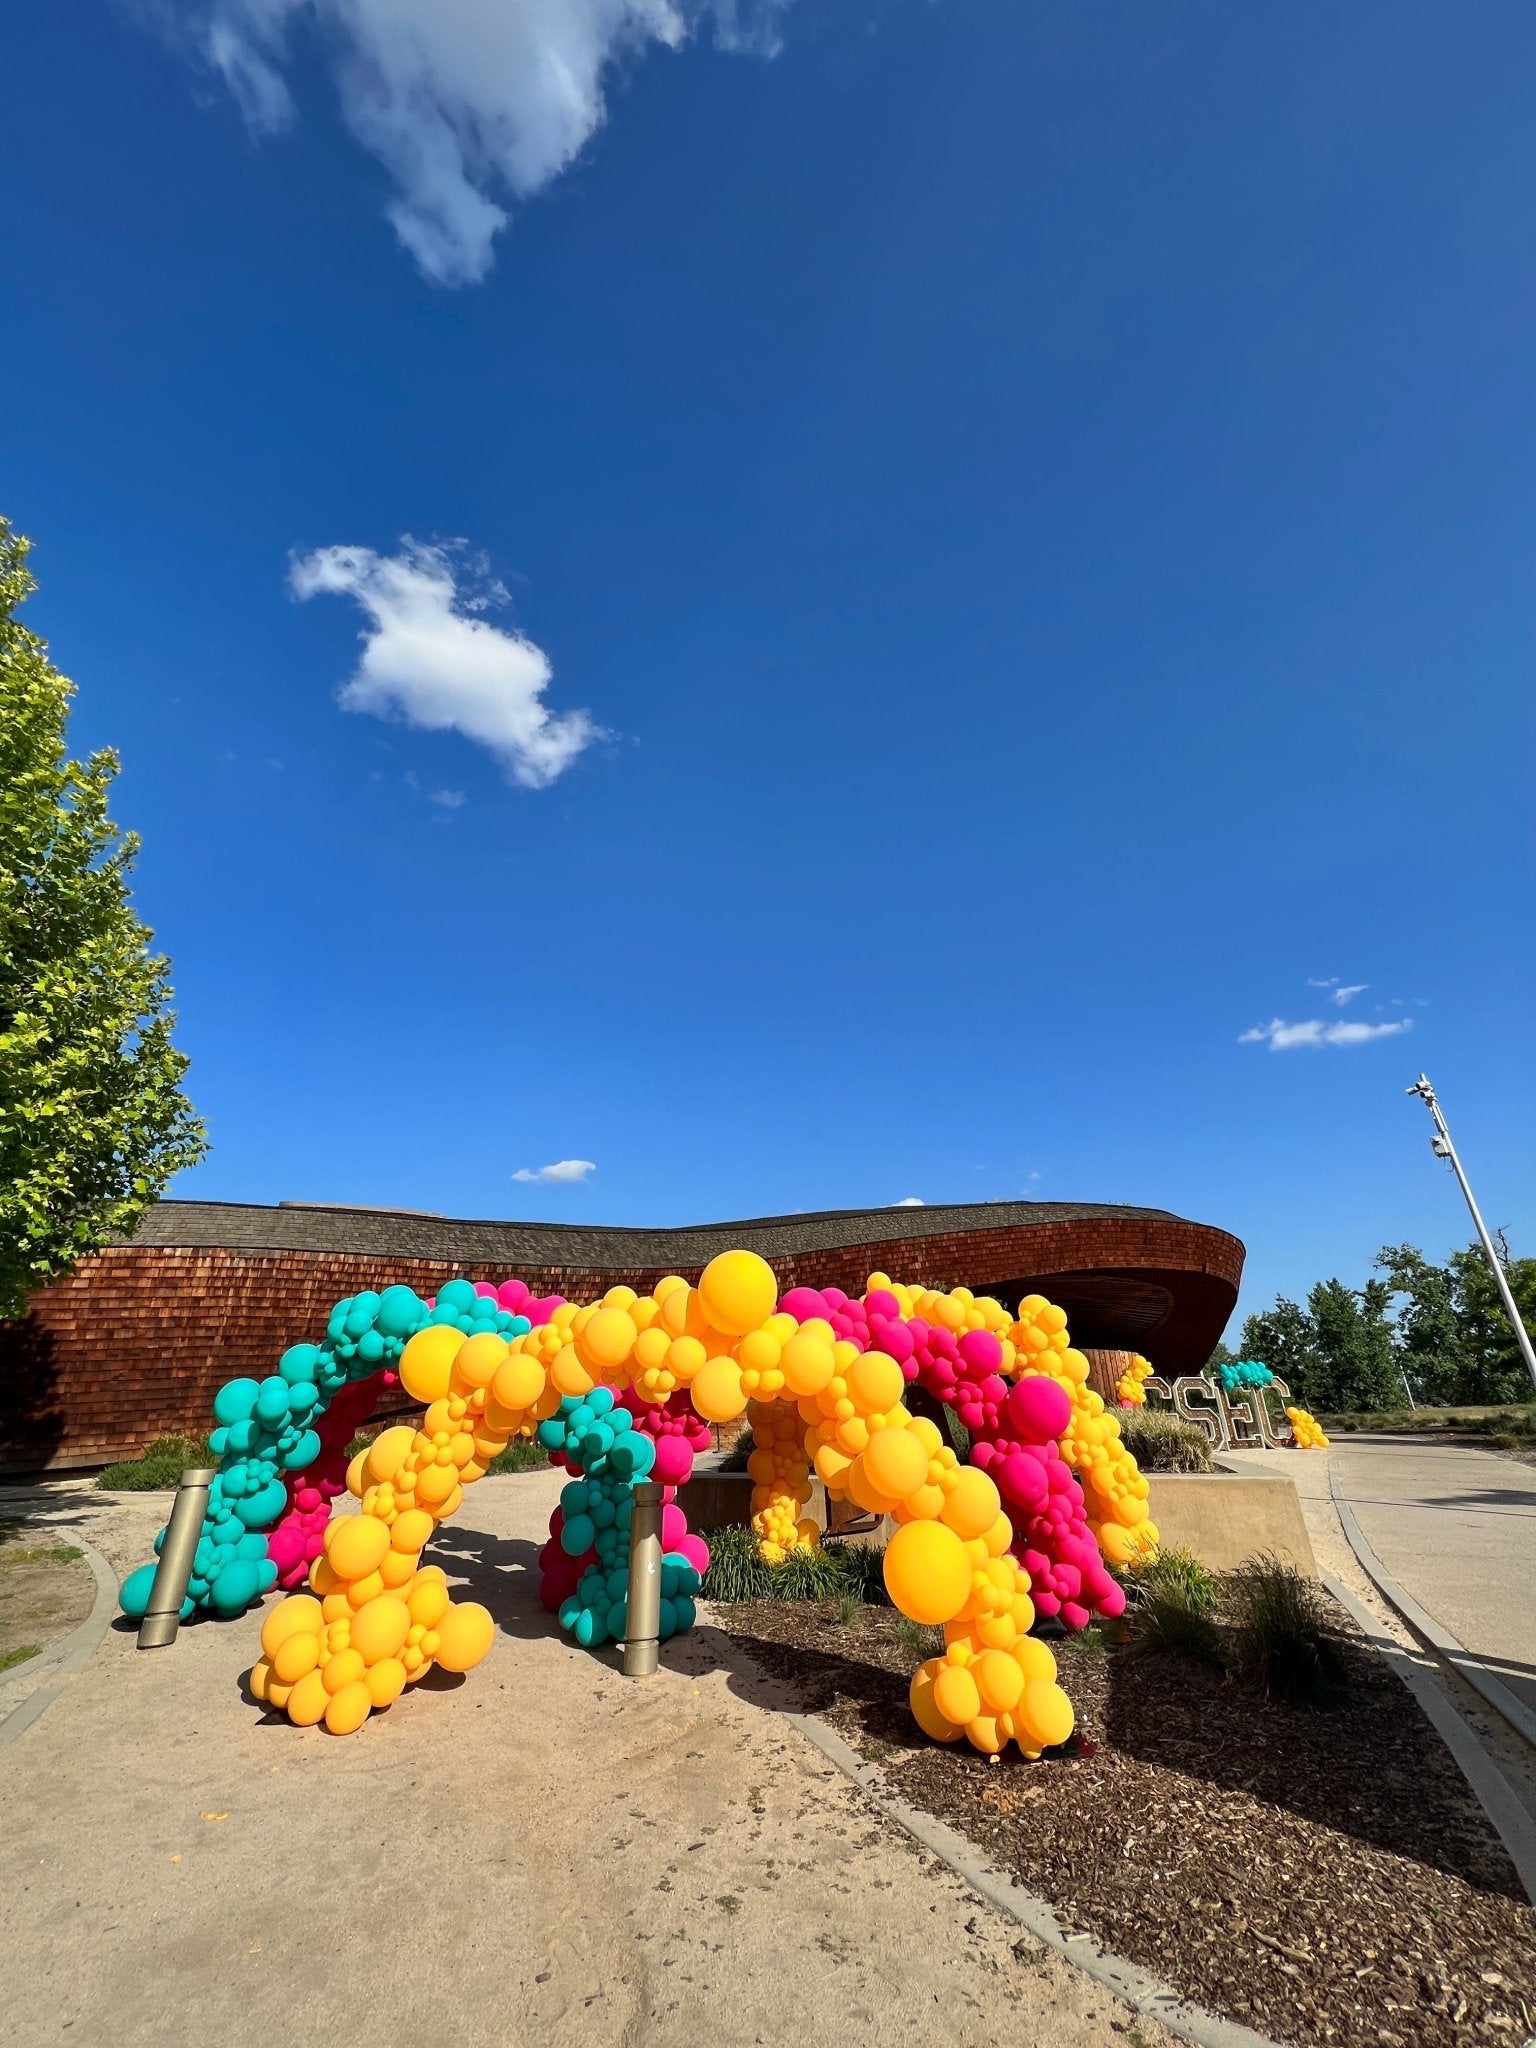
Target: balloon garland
<point x="1130" y="1390"/>
<point x="625" y="1388"/>
<point x="1252" y="1375"/>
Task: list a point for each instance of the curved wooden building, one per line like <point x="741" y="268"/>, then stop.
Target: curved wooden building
<point x="135" y="1343"/>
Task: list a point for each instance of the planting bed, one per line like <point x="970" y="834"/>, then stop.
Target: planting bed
<point x="1325" y="1877"/>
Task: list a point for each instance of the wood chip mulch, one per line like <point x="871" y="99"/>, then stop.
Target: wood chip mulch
<point x="1324" y="1877"/>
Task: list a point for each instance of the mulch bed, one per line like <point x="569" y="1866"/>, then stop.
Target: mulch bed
<point x="1322" y="1876"/>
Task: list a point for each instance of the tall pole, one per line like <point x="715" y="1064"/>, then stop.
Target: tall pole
<point x="1444" y="1149"/>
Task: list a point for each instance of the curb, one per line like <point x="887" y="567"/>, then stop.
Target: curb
<point x="1498" y="1696"/>
<point x="65" y="1657"/>
<point x="1510" y="1821"/>
<point x="1131" y="1984"/>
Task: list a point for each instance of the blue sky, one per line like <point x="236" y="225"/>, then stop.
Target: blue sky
<point x="998" y="549"/>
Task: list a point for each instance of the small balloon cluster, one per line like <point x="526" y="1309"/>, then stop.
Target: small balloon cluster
<point x="1306" y="1430"/>
<point x="584" y="1568"/>
<point x="1130" y="1388"/>
<point x="1241" y="1375"/>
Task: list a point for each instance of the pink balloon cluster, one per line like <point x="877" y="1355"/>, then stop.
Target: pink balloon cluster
<point x="298" y="1537"/>
<point x="1014" y="1431"/>
<point x="680" y="1433"/>
<point x="518" y="1298"/>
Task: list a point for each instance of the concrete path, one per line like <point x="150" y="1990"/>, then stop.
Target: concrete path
<point x="541" y="1852"/>
<point x="1456" y="1527"/>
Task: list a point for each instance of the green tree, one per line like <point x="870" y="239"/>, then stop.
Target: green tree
<point x="1285" y="1339"/>
<point x="1356" y="1363"/>
<point x="92" y="1119"/>
<point x="1220" y="1356"/>
<point x="1496" y="1371"/>
<point x="1431" y="1344"/>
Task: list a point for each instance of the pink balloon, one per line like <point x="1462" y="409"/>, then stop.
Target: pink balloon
<point x="1038" y="1408"/>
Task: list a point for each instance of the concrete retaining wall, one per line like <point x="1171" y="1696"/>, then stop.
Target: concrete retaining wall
<point x="1225" y="1518"/>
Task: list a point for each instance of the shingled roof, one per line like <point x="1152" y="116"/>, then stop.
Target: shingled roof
<point x="304" y="1227"/>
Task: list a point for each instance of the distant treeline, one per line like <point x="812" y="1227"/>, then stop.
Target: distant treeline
<point x="1439" y="1331"/>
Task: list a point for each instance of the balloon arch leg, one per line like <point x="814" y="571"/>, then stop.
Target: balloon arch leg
<point x="624" y="1390"/>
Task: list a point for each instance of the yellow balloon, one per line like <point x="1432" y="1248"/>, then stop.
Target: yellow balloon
<point x="956" y="1694"/>
<point x="608" y="1339"/>
<point x="927" y="1572"/>
<point x="411" y="1531"/>
<point x="875" y="1383"/>
<point x="807" y="1363"/>
<point x="972" y="1504"/>
<point x="924" y="1710"/>
<point x="385" y="1681"/>
<point x="463" y="1636"/>
<point x="569" y="1374"/>
<point x="261" y="1672"/>
<point x="299" y="1614"/>
<point x="426" y="1363"/>
<point x="428" y="1598"/>
<point x="397" y="1570"/>
<point x="381" y="1627"/>
<point x="296" y="1657"/>
<point x="355" y="1547"/>
<point x="479" y="1358"/>
<point x="389" y="1451"/>
<point x="434" y="1486"/>
<point x="998" y="1679"/>
<point x="308" y="1701"/>
<point x="344" y="1667"/>
<point x="738" y="1292"/>
<point x="896" y="1462"/>
<point x="984" y="1734"/>
<point x="717" y="1391"/>
<point x="349" y="1708"/>
<point x="518" y="1383"/>
<point x="1045" y="1713"/>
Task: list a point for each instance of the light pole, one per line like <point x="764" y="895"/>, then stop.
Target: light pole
<point x="1442" y="1147"/>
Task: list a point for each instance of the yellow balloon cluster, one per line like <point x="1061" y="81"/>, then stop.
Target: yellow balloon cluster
<point x="1307" y="1430"/>
<point x="1114" y="1490"/>
<point x="1128" y="1388"/>
<point x="781" y="1481"/>
<point x="382" y="1620"/>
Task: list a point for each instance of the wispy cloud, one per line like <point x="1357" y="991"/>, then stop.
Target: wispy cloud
<point x="1328" y="981"/>
<point x="910" y="1202"/>
<point x="470" y="105"/>
<point x="447" y="799"/>
<point x="430" y="659"/>
<point x="561" y="1173"/>
<point x="1280" y="1036"/>
<point x="1348" y="993"/>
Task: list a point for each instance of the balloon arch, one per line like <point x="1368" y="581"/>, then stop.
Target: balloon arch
<point x="624" y="1390"/>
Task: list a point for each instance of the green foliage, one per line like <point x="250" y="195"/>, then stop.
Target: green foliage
<point x="736" y="1572"/>
<point x="1284" y="1337"/>
<point x="1164" y="1443"/>
<point x="1176" y="1575"/>
<point x="915" y="1639"/>
<point x="1497" y="1372"/>
<point x="159" y="1465"/>
<point x="53" y="1553"/>
<point x="92" y="1119"/>
<point x="12" y="1658"/>
<point x="735" y="1459"/>
<point x="523" y="1454"/>
<point x="1220" y="1356"/>
<point x="849" y="1608"/>
<point x="1355" y="1365"/>
<point x="1164" y="1624"/>
<point x="1280" y="1642"/>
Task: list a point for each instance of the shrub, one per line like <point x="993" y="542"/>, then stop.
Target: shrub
<point x="735" y="1459"/>
<point x="1164" y="1624"/>
<point x="523" y="1454"/>
<point x="159" y="1465"/>
<point x="736" y="1572"/>
<point x="1280" y="1641"/>
<point x="1179" y="1575"/>
<point x="1164" y="1443"/>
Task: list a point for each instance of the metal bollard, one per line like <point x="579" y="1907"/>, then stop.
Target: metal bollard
<point x="162" y="1617"/>
<point x="640" y="1635"/>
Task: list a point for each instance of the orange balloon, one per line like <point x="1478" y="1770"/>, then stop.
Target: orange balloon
<point x="426" y="1363"/>
<point x="717" y="1391"/>
<point x="356" y="1546"/>
<point x="924" y="1708"/>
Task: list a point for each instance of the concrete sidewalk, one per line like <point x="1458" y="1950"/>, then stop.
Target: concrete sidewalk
<point x="1456" y="1527"/>
<point x="541" y="1852"/>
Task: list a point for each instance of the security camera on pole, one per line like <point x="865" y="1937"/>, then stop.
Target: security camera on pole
<point x="1442" y="1147"/>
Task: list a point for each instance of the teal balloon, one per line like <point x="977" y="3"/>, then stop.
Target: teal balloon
<point x="303" y="1453"/>
<point x="236" y="1586"/>
<point x="298" y="1363"/>
<point x="399" y="1311"/>
<point x="459" y="1295"/>
<point x="133" y="1595"/>
<point x="235" y="1401"/>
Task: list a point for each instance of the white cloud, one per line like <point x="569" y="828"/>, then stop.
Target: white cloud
<point x="1282" y="1037"/>
<point x="1348" y="993"/>
<point x="429" y="660"/>
<point x="562" y="1172"/>
<point x="470" y="105"/>
<point x="910" y="1202"/>
<point x="1329" y="981"/>
<point x="447" y="799"/>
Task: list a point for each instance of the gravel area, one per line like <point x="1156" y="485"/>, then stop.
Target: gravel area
<point x="1322" y="1877"/>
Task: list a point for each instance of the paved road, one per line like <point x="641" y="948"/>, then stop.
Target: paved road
<point x="543" y="1853"/>
<point x="1457" y="1528"/>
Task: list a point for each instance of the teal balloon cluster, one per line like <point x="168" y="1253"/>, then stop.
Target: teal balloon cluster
<point x="266" y="1432"/>
<point x="598" y="1440"/>
<point x="1239" y="1373"/>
